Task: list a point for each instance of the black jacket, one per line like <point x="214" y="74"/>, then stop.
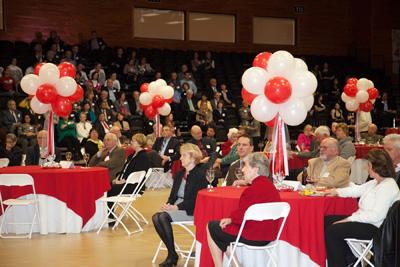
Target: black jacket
<point x="172" y="149"/>
<point x="387" y="240"/>
<point x="33" y="155"/>
<point x="133" y="163"/>
<point x="15" y="156"/>
<point x="209" y="144"/>
<point x="196" y="180"/>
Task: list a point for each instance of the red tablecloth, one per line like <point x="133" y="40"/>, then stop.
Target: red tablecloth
<point x="392" y="131"/>
<point x="79" y="188"/>
<point x="362" y="150"/>
<point x="304" y="227"/>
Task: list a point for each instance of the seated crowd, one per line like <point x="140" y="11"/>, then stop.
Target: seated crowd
<point x="109" y="126"/>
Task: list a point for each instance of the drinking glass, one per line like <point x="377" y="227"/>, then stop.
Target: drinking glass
<point x="239" y="174"/>
<point x="210" y="174"/>
<point x="68" y="156"/>
<point x="86" y="158"/>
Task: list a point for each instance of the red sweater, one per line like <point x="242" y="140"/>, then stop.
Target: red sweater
<point x="262" y="190"/>
<point x="226" y="147"/>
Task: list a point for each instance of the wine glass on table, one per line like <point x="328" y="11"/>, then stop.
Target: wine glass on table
<point x="239" y="174"/>
<point x="68" y="156"/>
<point x="86" y="158"/>
<point x="210" y="174"/>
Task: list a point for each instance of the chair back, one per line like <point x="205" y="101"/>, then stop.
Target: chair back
<point x="4" y="162"/>
<point x="267" y="211"/>
<point x="16" y="179"/>
<point x="135" y="177"/>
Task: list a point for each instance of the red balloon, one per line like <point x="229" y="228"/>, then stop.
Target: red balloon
<point x="261" y="60"/>
<point x="144" y="87"/>
<point x="352" y="81"/>
<point x="37" y="68"/>
<point x="367" y="106"/>
<point x="373" y="93"/>
<point x="158" y="101"/>
<point x="272" y="122"/>
<point x="67" y="69"/>
<point x="248" y="97"/>
<point x="350" y="89"/>
<point x="78" y="95"/>
<point x="62" y="106"/>
<point x="46" y="93"/>
<point x="143" y="107"/>
<point x="278" y="90"/>
<point x="169" y="100"/>
<point x="150" y="112"/>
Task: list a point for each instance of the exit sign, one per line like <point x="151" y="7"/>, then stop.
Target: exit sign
<point x="299" y="9"/>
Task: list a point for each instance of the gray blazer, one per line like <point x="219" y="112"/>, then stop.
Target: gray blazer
<point x="114" y="164"/>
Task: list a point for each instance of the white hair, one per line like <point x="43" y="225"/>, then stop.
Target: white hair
<point x="232" y="131"/>
<point x="323" y="130"/>
<point x="394" y="138"/>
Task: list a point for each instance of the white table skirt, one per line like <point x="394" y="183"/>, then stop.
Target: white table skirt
<point x="285" y="255"/>
<point x="55" y="217"/>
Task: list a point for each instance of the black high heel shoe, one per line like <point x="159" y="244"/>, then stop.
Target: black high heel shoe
<point x="169" y="262"/>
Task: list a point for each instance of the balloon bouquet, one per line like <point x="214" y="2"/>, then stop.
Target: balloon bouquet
<point x="52" y="89"/>
<point x="359" y="95"/>
<point x="279" y="89"/>
<point x="154" y="99"/>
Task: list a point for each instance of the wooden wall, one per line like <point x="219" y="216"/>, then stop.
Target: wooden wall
<point x="360" y="27"/>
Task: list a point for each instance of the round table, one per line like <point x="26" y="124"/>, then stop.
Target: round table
<point x="304" y="229"/>
<point x="362" y="150"/>
<point x="392" y="131"/>
<point x="78" y="188"/>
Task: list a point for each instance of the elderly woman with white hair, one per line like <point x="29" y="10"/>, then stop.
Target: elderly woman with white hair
<point x="228" y="144"/>
<point x="391" y="143"/>
<point x="261" y="190"/>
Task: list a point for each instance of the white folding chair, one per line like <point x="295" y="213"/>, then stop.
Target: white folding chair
<point x="154" y="180"/>
<point x="18" y="180"/>
<point x="184" y="253"/>
<point x="124" y="201"/>
<point x="261" y="212"/>
<point x="4" y="162"/>
<point x="132" y="210"/>
<point x="362" y="249"/>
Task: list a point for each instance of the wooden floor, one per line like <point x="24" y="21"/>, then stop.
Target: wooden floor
<point x="108" y="249"/>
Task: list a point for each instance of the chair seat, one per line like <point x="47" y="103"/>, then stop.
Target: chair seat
<point x="268" y="246"/>
<point x="19" y="202"/>
<point x="120" y="199"/>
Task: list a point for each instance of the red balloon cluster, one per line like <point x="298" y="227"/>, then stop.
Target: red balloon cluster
<point x="155" y="98"/>
<point x="359" y="94"/>
<point x="53" y="88"/>
<point x="277" y="89"/>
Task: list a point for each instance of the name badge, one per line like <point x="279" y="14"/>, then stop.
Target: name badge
<point x="223" y="114"/>
<point x="170" y="151"/>
<point x="107" y="158"/>
<point x="208" y="146"/>
<point x="325" y="175"/>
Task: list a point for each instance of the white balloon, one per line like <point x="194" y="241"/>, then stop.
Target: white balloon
<point x="370" y="84"/>
<point x="254" y="80"/>
<point x="153" y="88"/>
<point x="38" y="107"/>
<point x="262" y="109"/>
<point x="300" y="64"/>
<point x="167" y="91"/>
<point x="66" y="86"/>
<point x="352" y="105"/>
<point x="346" y="98"/>
<point x="145" y="98"/>
<point x="293" y="112"/>
<point x="161" y="82"/>
<point x="303" y="83"/>
<point x="30" y="83"/>
<point x="363" y="84"/>
<point x="49" y="73"/>
<point x="362" y="96"/>
<point x="281" y="63"/>
<point x="164" y="110"/>
<point x="308" y="101"/>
